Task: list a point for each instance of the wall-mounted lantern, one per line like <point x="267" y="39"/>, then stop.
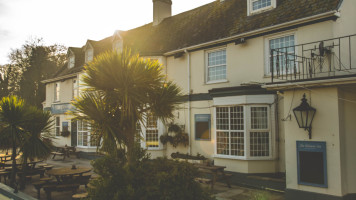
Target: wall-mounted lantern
<point x="304" y="114"/>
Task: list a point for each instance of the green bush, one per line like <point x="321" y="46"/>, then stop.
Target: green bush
<point x="159" y="179"/>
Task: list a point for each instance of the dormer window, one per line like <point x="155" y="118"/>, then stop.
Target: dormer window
<point x="71" y="61"/>
<point x="117" y="45"/>
<point x="258" y="6"/>
<point x="89" y="54"/>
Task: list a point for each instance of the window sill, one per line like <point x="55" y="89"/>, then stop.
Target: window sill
<point x="215" y="82"/>
<point x="154" y="149"/>
<point x="242" y="158"/>
<point x="261" y="10"/>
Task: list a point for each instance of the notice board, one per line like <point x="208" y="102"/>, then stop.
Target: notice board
<point x="312" y="168"/>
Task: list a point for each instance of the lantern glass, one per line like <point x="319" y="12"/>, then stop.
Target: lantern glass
<point x="304" y="114"/>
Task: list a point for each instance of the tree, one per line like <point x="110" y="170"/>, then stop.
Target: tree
<point x="20" y="128"/>
<point x="35" y="144"/>
<point x="32" y="63"/>
<point x="136" y="88"/>
<point x="12" y="116"/>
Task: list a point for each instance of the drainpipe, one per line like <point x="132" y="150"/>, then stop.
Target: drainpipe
<point x="188" y="69"/>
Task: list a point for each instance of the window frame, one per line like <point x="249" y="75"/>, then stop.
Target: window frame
<point x="75" y="88"/>
<point x="267" y="72"/>
<point x="71" y="61"/>
<point x="247" y="130"/>
<point x="81" y="131"/>
<point x="144" y="128"/>
<point x="57" y="126"/>
<point x="207" y="66"/>
<point x="196" y="119"/>
<point x="250" y="10"/>
<point x="89" y="50"/>
<point x="57" y="89"/>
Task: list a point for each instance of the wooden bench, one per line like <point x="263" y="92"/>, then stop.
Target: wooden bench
<point x="80" y="196"/>
<point x="203" y="180"/>
<point x="38" y="185"/>
<point x="55" y="153"/>
<point x="5" y="174"/>
<point x="55" y="187"/>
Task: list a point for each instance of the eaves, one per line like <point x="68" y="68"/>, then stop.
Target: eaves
<point x="60" y="78"/>
<point x="262" y="31"/>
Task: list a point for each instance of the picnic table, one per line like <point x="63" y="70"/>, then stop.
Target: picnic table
<point x="65" y="180"/>
<point x="63" y="151"/>
<point x="5" y="157"/>
<point x="62" y="174"/>
<point x="216" y="172"/>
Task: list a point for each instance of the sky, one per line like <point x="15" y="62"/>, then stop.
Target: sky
<point x="72" y="22"/>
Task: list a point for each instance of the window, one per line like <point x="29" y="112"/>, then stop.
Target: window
<point x="75" y="89"/>
<point x="152" y="139"/>
<point x="216" y="66"/>
<point x="283" y="54"/>
<point x="243" y="131"/>
<point x="58" y="126"/>
<point x="151" y="131"/>
<point x="56" y="91"/>
<point x="117" y="45"/>
<point x="202" y="127"/>
<point x="89" y="54"/>
<point x="84" y="134"/>
<point x="257" y="6"/>
<point x="71" y="61"/>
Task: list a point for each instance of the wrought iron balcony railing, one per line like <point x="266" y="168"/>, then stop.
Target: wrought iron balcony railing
<point x="315" y="60"/>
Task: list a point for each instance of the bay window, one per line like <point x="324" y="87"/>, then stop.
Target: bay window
<point x="243" y="131"/>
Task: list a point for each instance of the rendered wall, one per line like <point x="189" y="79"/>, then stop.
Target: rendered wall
<point x="325" y="128"/>
<point x="347" y="105"/>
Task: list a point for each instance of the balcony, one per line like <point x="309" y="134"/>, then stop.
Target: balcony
<point x="320" y="60"/>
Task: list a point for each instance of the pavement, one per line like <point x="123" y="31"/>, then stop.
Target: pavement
<point x="220" y="191"/>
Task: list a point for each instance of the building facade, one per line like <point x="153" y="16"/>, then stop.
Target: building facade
<point x="244" y="65"/>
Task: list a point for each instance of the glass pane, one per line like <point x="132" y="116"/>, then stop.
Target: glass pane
<point x="259" y="144"/>
<point x="259" y="118"/>
<point x="237" y="118"/>
<point x="222" y="143"/>
<point x="237" y="144"/>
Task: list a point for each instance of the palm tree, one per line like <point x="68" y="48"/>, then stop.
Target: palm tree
<point x="20" y="128"/>
<point x="124" y="88"/>
<point x="34" y="144"/>
<point x="12" y="117"/>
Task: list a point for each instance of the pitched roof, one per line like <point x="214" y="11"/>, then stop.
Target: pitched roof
<point x="217" y="20"/>
<point x="213" y="21"/>
<point x="99" y="47"/>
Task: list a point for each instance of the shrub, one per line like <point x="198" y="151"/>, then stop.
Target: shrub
<point x="159" y="179"/>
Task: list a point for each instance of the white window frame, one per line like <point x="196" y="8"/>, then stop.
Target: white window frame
<point x="57" y="89"/>
<point x="57" y="126"/>
<point x="250" y="10"/>
<point x="89" y="54"/>
<point x="144" y="128"/>
<point x="267" y="49"/>
<point x="207" y="81"/>
<point x="117" y="45"/>
<point x="248" y="101"/>
<point x="75" y="87"/>
<point x="71" y="61"/>
<point x="81" y="131"/>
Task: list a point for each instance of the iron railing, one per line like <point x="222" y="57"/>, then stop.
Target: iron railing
<point x="315" y="60"/>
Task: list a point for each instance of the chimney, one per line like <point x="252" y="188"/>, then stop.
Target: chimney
<point x="161" y="10"/>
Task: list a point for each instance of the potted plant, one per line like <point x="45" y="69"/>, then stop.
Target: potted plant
<point x="65" y="133"/>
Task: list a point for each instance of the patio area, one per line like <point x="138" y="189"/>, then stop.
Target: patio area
<point x="221" y="191"/>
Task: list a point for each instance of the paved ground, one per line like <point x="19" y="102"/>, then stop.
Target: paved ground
<point x="221" y="191"/>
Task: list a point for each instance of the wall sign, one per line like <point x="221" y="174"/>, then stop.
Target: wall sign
<point x="311" y="160"/>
